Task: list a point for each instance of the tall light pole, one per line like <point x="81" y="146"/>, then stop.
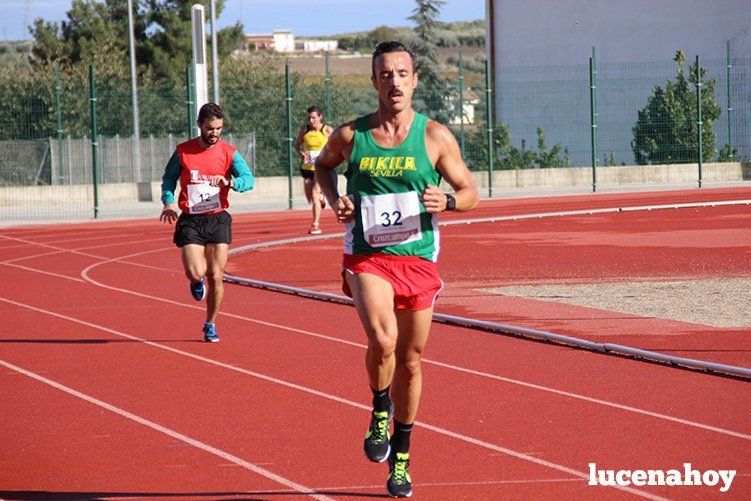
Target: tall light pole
<point x="214" y="58"/>
<point x="134" y="95"/>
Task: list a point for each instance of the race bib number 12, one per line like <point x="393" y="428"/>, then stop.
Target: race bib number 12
<point x="390" y="219"/>
<point x="203" y="197"/>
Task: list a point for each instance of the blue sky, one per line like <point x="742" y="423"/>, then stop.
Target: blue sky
<point x="303" y="17"/>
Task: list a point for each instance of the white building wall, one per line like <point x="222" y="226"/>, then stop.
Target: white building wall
<point x="284" y="41"/>
<point x="320" y="45"/>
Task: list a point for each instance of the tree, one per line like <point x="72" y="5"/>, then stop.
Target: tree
<point x="665" y="130"/>
<point x="162" y="31"/>
<point x="382" y="34"/>
<point x="435" y="86"/>
<point x="90" y="26"/>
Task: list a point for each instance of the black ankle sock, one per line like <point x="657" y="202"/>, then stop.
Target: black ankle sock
<point x="381" y="399"/>
<point x="400" y="440"/>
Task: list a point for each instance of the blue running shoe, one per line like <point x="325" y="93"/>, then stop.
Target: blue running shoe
<point x="198" y="289"/>
<point x="209" y="333"/>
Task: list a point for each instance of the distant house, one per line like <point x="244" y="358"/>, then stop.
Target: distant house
<point x="258" y="42"/>
<point x="470" y="100"/>
<point x="284" y="41"/>
<point x="279" y="41"/>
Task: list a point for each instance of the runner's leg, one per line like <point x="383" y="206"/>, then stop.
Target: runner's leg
<point x="315" y="199"/>
<point x="216" y="259"/>
<point x="374" y="301"/>
<point x="414" y="327"/>
<point x="194" y="262"/>
<point x="308" y="188"/>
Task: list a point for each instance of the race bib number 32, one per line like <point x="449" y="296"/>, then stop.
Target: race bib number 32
<point x="203" y="197"/>
<point x="390" y="219"/>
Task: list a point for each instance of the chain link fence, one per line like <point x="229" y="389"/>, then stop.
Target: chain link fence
<point x="556" y="127"/>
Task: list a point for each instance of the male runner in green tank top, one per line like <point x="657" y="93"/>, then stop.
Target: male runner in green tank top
<point x="395" y="158"/>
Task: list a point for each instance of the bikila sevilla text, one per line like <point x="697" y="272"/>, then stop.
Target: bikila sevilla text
<point x="688" y="476"/>
<point x="386" y="166"/>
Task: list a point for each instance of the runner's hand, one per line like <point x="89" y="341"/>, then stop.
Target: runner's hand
<point x="218" y="180"/>
<point x="169" y="214"/>
<point x="344" y="209"/>
<point x="433" y="199"/>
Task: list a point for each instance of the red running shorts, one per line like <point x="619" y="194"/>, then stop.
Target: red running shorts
<point x="415" y="280"/>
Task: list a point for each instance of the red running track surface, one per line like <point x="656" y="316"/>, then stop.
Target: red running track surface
<point x="696" y="243"/>
<point x="108" y="391"/>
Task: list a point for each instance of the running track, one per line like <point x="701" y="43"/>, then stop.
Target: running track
<point x="108" y="393"/>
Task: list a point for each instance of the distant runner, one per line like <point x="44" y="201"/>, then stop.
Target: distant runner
<point x="207" y="168"/>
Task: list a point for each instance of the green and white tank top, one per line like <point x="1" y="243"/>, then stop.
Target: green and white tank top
<point x="387" y="184"/>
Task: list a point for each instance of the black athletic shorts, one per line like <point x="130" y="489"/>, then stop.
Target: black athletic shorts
<point x="307" y="174"/>
<point x="203" y="229"/>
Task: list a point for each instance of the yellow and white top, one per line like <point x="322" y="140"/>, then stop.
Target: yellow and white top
<point x="312" y="143"/>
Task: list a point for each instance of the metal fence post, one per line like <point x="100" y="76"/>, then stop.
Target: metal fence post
<point x="593" y="116"/>
<point x="94" y="145"/>
<point x="461" y="105"/>
<point x="189" y="100"/>
<point x="58" y="102"/>
<point x="118" y="158"/>
<point x="288" y="99"/>
<point x="698" y="117"/>
<point x="489" y="109"/>
<point x="69" y="148"/>
<point x="328" y="89"/>
<point x="730" y="99"/>
<point x="152" y="159"/>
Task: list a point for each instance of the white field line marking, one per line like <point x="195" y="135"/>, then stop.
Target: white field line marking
<point x="78" y="251"/>
<point x="85" y="275"/>
<point x="442" y="484"/>
<point x="75" y="279"/>
<point x="380" y="486"/>
<point x="604" y="210"/>
<point x="171" y="433"/>
<point x="311" y="391"/>
<point x="47" y="246"/>
<point x="97" y="236"/>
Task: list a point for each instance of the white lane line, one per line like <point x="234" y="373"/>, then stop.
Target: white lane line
<point x="328" y="396"/>
<point x="171" y="433"/>
<point x="21" y="267"/>
<point x="604" y="210"/>
<point x="379" y="487"/>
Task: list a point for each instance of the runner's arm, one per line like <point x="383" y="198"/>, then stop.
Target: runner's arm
<point x="449" y="164"/>
<point x="242" y="177"/>
<point x="337" y="149"/>
<point x="169" y="183"/>
<point x="331" y="156"/>
<point x="169" y="179"/>
<point x="298" y="143"/>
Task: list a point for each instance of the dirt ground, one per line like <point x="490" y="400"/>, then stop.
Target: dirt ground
<point x="346" y="64"/>
<point x="720" y="303"/>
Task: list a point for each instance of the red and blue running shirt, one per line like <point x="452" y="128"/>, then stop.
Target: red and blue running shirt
<point x="194" y="166"/>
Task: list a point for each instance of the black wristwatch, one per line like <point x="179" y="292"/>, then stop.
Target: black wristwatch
<point x="450" y="202"/>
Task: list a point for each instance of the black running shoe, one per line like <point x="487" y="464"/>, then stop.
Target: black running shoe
<point x="399" y="483"/>
<point x="376" y="443"/>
